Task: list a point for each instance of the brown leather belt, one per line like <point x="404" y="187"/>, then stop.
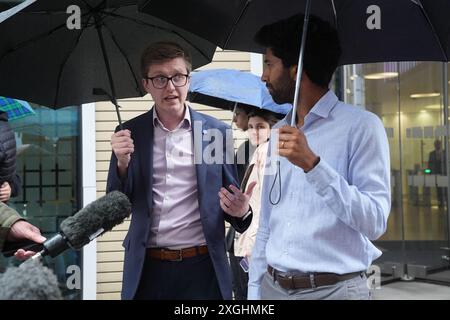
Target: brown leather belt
<point x="308" y="280"/>
<point x="176" y="255"/>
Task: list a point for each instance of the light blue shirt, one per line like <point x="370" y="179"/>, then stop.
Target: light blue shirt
<point x="326" y="218"/>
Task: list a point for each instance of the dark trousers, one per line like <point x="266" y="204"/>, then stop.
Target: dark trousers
<point x="190" y="279"/>
<point x="243" y="279"/>
<point x="240" y="278"/>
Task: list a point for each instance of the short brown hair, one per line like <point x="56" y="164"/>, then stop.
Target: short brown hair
<point x="162" y="51"/>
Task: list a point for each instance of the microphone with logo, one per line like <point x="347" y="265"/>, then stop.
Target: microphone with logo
<point x="87" y="224"/>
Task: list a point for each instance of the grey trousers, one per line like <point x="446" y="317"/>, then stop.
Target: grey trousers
<point x="352" y="289"/>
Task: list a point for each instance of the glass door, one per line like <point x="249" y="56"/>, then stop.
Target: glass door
<point x="408" y="98"/>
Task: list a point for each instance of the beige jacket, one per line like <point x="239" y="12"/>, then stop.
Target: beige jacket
<point x="243" y="244"/>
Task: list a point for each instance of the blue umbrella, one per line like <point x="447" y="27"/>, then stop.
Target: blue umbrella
<point x="222" y="88"/>
<point x="15" y="109"/>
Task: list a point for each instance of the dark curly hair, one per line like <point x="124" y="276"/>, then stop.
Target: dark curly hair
<point x="322" y="49"/>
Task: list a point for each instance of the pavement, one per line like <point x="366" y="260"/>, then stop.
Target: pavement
<point x="412" y="290"/>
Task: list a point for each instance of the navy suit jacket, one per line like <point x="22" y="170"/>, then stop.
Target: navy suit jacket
<point x="138" y="187"/>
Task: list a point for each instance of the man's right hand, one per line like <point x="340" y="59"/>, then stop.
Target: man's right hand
<point x="22" y="230"/>
<point x="122" y="146"/>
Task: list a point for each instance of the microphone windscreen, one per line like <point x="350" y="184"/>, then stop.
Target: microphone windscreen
<point x="104" y="213"/>
<point x="29" y="281"/>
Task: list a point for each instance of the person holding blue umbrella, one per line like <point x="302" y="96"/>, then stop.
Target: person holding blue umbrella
<point x="330" y="195"/>
<point x="260" y="122"/>
<point x="242" y="93"/>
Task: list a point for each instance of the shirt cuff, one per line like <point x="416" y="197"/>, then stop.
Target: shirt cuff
<point x="254" y="293"/>
<point x="249" y="212"/>
<point x="321" y="176"/>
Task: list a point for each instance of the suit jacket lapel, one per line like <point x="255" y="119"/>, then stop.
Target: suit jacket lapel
<point x="146" y="155"/>
<point x="199" y="125"/>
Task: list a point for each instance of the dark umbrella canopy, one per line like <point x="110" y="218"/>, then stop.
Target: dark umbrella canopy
<point x="408" y="29"/>
<point x="44" y="62"/>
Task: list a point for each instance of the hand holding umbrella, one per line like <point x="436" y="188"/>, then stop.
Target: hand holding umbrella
<point x="293" y="145"/>
<point x="122" y="146"/>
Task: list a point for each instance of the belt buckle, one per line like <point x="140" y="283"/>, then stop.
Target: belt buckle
<point x="180" y="256"/>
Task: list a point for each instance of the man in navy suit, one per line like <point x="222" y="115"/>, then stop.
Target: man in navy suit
<point x="173" y="163"/>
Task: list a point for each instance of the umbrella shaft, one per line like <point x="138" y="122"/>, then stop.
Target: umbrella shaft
<point x="300" y="65"/>
<point x="108" y="68"/>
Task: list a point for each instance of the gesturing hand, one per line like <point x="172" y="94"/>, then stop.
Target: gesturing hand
<point x="236" y="203"/>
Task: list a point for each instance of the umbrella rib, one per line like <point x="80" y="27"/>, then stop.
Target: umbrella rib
<point x="114" y="39"/>
<point x="157" y="27"/>
<point x="66" y="59"/>
<point x="433" y="30"/>
<point x="233" y="28"/>
<point x="30" y="41"/>
<point x="88" y="5"/>
<point x="35" y="39"/>
<point x="335" y="13"/>
<point x="58" y="80"/>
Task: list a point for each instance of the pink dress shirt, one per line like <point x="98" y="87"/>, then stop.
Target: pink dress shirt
<point x="175" y="218"/>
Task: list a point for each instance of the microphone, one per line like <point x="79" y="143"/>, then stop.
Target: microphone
<point x="29" y="281"/>
<point x="87" y="224"/>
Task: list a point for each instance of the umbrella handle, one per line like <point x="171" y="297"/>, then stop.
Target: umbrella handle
<point x="118" y="116"/>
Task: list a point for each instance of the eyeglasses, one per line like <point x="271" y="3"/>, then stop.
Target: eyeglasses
<point x="160" y="82"/>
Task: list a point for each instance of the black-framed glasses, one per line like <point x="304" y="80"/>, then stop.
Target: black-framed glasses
<point x="160" y="82"/>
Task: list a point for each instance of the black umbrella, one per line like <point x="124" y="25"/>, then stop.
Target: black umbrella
<point x="369" y="30"/>
<point x="43" y="61"/>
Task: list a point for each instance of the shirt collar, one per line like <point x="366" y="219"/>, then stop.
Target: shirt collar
<point x="186" y="122"/>
<point x="322" y="108"/>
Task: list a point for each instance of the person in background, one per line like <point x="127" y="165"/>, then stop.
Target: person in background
<point x="245" y="151"/>
<point x="9" y="180"/>
<point x="260" y="122"/>
<point x="13" y="227"/>
<point x="242" y="159"/>
<point x="437" y="165"/>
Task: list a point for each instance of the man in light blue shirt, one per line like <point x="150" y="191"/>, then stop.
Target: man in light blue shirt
<point x="329" y="194"/>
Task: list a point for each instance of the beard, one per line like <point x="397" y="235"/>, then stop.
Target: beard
<point x="283" y="90"/>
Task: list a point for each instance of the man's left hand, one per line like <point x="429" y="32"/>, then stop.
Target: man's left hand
<point x="293" y="145"/>
<point x="236" y="203"/>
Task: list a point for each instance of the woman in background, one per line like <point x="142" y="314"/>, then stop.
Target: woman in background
<point x="260" y="122"/>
